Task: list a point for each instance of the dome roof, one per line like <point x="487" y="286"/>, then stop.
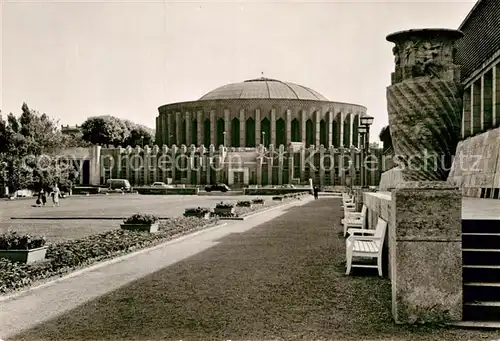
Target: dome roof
<point x="264" y="88"/>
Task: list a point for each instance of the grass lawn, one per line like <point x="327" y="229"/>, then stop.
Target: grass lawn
<point x="97" y="207"/>
<point x="282" y="280"/>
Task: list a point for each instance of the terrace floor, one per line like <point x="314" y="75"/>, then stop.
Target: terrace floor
<point x="280" y="277"/>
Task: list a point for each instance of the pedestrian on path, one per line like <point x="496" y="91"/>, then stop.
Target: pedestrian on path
<point x="316" y="192"/>
<point x="56" y="193"/>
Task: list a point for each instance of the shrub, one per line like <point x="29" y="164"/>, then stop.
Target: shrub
<point x="258" y="201"/>
<point x="68" y="255"/>
<point x="196" y="211"/>
<point x="13" y="241"/>
<point x="223" y="205"/>
<point x="139" y="218"/>
<point x="244" y="203"/>
<point x="278" y="198"/>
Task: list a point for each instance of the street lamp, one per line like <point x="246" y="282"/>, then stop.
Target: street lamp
<point x="366" y="122"/>
<point x="362" y="133"/>
<point x="264" y="138"/>
<point x="142" y="141"/>
<point x="224" y="139"/>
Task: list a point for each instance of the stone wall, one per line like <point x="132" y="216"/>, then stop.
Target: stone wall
<point x="476" y="168"/>
<point x="390" y="179"/>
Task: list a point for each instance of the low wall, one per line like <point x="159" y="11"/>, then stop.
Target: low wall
<point x="379" y="204"/>
<point x="476" y="167"/>
<point x="274" y="191"/>
<point x="390" y="179"/>
<point x="166" y="191"/>
<point x="85" y="190"/>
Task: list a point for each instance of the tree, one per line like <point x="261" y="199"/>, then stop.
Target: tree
<point x="110" y="130"/>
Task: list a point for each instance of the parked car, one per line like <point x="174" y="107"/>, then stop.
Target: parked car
<point x="159" y="184"/>
<point x="122" y="184"/>
<point x="217" y="187"/>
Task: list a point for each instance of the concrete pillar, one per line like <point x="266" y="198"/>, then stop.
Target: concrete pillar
<point x="270" y="169"/>
<point x="288" y="127"/>
<point x="303" y="119"/>
<point x="426" y="255"/>
<point x="481" y="102"/>
<point x="351" y="128"/>
<point x="147" y="163"/>
<point x="227" y="127"/>
<point x="341" y="130"/>
<point x="476" y="106"/>
<point x="188" y="129"/>
<point x="257" y="127"/>
<point x="212" y="127"/>
<point x="494" y="96"/>
<point x="189" y="167"/>
<point x="178" y="122"/>
<point x="173" y="167"/>
<point x="329" y="121"/>
<point x="291" y="166"/>
<point x="331" y="152"/>
<point x="166" y="130"/>
<point x="172" y="131"/>
<point x="201" y="123"/>
<point x="322" y="166"/>
<point x="302" y="164"/>
<point x="280" y="164"/>
<point x="208" y="167"/>
<point x="317" y="124"/>
<point x="242" y="128"/>
<point x="259" y="169"/>
<point x="273" y="127"/>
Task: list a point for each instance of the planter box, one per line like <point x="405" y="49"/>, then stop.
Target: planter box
<point x="25" y="256"/>
<point x="224" y="210"/>
<point x="151" y="228"/>
<point x="201" y="216"/>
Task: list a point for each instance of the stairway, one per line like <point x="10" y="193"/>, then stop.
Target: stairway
<point x="481" y="273"/>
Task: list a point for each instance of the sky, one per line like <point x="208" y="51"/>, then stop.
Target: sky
<point x="76" y="59"/>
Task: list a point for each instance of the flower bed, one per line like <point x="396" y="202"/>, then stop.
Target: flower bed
<point x="141" y="222"/>
<point x="198" y="212"/>
<point x="67" y="256"/>
<point x="22" y="248"/>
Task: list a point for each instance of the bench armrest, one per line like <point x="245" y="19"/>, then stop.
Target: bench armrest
<point x="353" y="230"/>
<point x="363" y="238"/>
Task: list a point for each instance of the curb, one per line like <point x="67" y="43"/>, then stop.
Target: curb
<point x="102" y="264"/>
<point x="253" y="214"/>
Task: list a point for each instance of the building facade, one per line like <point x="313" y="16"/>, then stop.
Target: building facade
<point x="259" y="111"/>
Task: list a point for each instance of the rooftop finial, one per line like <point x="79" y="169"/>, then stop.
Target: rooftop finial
<point x="262" y="73"/>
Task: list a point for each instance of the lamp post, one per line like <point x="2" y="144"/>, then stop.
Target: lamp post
<point x="264" y="138"/>
<point x="223" y="139"/>
<point x="362" y="132"/>
<point x="366" y="121"/>
<point x="142" y="141"/>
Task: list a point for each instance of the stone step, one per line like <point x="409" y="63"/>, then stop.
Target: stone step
<point x="481" y="240"/>
<point x="480" y="226"/>
<point x="481" y="291"/>
<point x="481" y="273"/>
<point x="482" y="311"/>
<point x="476" y="324"/>
<point x="480" y="256"/>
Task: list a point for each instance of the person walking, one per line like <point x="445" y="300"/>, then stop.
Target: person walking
<point x="56" y="193"/>
<point x="43" y="197"/>
<point x="316" y="192"/>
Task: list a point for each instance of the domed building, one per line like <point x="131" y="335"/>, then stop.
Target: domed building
<point x="259" y="111"/>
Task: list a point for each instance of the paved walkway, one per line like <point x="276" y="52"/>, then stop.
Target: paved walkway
<point x="261" y="279"/>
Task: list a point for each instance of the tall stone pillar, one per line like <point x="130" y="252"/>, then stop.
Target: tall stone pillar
<point x="329" y="130"/>
<point x="495" y="98"/>
<point x="303" y="119"/>
<point x="302" y="164"/>
<point x="178" y="123"/>
<point x="291" y="165"/>
<point x="280" y="164"/>
<point x="273" y="127"/>
<point x="351" y="126"/>
<point x="270" y="165"/>
<point x="317" y="125"/>
<point x="288" y="127"/>
<point x="199" y="128"/>
<point x="425" y="101"/>
<point x="188" y="128"/>
<point x="321" y="165"/>
<point x="227" y="128"/>
<point x="242" y="128"/>
<point x="331" y="151"/>
<point x="341" y="129"/>
<point x="212" y="127"/>
<point x="257" y="127"/>
<point x="171" y="129"/>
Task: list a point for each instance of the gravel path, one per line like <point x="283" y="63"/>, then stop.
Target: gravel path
<point x="282" y="280"/>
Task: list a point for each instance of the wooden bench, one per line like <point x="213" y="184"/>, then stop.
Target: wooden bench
<point x="366" y="246"/>
<point x="354" y="219"/>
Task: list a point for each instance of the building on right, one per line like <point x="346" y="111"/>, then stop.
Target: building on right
<point x="478" y="52"/>
<point x="476" y="168"/>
